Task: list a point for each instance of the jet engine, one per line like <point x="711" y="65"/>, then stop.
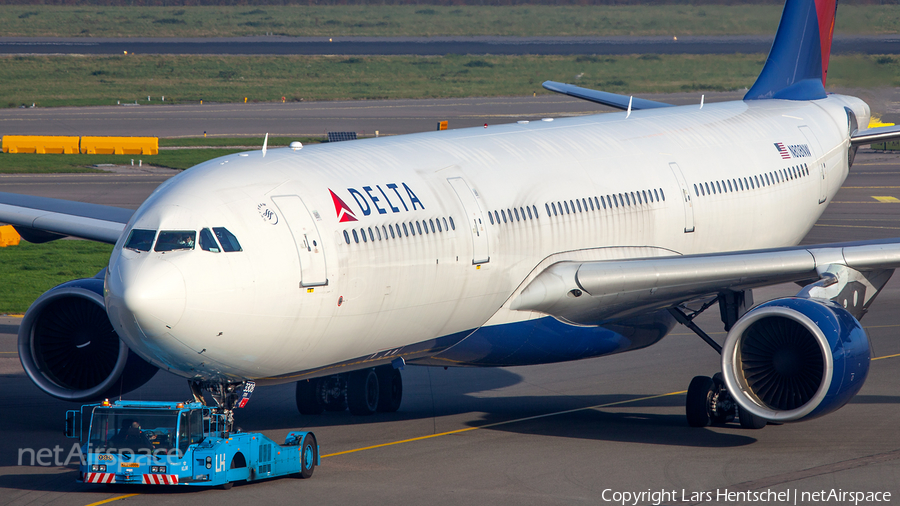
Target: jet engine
<point x="69" y="348"/>
<point x="795" y="359"/>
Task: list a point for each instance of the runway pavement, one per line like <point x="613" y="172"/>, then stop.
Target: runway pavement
<point x="302" y="119"/>
<point x="388" y="117"/>
<point x="554" y="434"/>
<point x="279" y="45"/>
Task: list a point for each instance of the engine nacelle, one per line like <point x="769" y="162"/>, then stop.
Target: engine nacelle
<point x="795" y="359"/>
<point x="69" y="349"/>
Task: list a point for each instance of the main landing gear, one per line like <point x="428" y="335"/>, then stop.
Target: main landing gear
<point x="708" y="400"/>
<point x="364" y="392"/>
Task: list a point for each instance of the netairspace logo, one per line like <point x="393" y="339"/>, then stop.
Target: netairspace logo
<point x="47" y="457"/>
<point x="726" y="496"/>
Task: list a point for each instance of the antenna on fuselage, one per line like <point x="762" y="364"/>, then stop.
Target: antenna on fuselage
<point x="265" y="144"/>
<point x="701" y="100"/>
<point x="629" y="107"/>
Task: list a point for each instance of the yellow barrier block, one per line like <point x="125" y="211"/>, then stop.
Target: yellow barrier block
<point x="9" y="236"/>
<point x="120" y="145"/>
<point x="40" y="144"/>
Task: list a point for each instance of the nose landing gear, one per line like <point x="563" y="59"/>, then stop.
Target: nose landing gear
<point x="227" y="396"/>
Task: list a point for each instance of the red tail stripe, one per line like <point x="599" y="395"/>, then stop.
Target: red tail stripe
<point x="825" y="11"/>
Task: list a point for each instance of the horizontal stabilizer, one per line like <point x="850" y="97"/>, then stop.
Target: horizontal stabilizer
<point x="880" y="134"/>
<point x="603" y="97"/>
<point x="44" y="219"/>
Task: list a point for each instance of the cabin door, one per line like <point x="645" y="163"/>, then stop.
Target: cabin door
<point x="474" y="218"/>
<point x="685" y="198"/>
<point x="309" y="244"/>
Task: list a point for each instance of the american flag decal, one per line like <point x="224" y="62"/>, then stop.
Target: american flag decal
<point x="785" y="154"/>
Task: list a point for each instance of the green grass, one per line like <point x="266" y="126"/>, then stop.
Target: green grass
<point x="414" y="20"/>
<point x="28" y="270"/>
<point x="30" y="163"/>
<point x="101" y="80"/>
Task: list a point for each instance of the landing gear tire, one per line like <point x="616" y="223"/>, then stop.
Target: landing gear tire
<point x="698" y="399"/>
<point x="362" y="392"/>
<point x="722" y="408"/>
<point x="308" y="457"/>
<point x="390" y="385"/>
<point x="751" y="421"/>
<point x="307" y="397"/>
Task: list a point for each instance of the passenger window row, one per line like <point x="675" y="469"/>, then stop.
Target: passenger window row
<point x="751" y="182"/>
<point x="626" y="199"/>
<point x="400" y="230"/>
<point x="520" y="214"/>
<point x="581" y="205"/>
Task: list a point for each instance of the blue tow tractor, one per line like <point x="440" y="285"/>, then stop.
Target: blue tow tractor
<point x="181" y="443"/>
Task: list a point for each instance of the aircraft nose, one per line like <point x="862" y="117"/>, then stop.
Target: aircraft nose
<point x="150" y="289"/>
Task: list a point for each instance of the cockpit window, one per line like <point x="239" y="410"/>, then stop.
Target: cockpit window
<point x="208" y="242"/>
<point x="170" y="240"/>
<point x="228" y="241"/>
<point x="140" y="240"/>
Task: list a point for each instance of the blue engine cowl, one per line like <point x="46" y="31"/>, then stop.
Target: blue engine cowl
<point x="795" y="359"/>
<point x="69" y="349"/>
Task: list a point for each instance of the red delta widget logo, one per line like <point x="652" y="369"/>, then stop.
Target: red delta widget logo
<point x="376" y="199"/>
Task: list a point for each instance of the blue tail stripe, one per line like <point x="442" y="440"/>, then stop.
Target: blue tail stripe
<point x="793" y="70"/>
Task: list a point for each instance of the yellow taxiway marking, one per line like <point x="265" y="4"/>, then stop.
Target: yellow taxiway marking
<point x="855" y="202"/>
<point x="886" y="200"/>
<point x="111" y="499"/>
<point x="887" y="356"/>
<point x="507" y="422"/>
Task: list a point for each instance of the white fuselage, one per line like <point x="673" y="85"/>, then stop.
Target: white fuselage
<point x="300" y="300"/>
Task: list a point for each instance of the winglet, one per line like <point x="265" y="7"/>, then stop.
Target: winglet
<point x="798" y="61"/>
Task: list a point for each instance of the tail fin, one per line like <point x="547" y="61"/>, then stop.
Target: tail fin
<point x="798" y="61"/>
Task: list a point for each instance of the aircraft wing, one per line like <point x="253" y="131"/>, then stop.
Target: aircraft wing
<point x="40" y="219"/>
<point x="879" y="134"/>
<point x="593" y="292"/>
<point x="603" y="97"/>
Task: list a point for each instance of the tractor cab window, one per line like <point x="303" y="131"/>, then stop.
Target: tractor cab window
<point x="132" y="430"/>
